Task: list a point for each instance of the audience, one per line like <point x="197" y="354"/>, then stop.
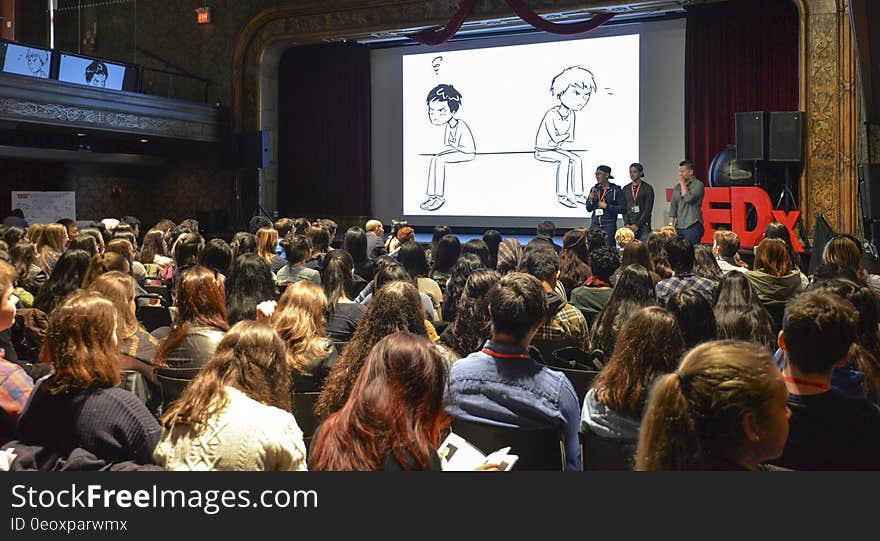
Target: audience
<point x="296" y="250"/>
<point x="397" y="307"/>
<point x="546" y="230"/>
<point x="634" y="291"/>
<point x="240" y="401"/>
<point x="706" y="265"/>
<point x="680" y="253"/>
<point x="52" y="242"/>
<point x="64" y="280"/>
<point x="245" y="243"/>
<point x="15" y="384"/>
<point x="103" y="263"/>
<point x="828" y="429"/>
<point x="636" y="253"/>
<point x="443" y="258"/>
<point x="510" y="254"/>
<point x="458" y="276"/>
<point x="393" y="419"/>
<point x="343" y="314"/>
<point x="574" y="260"/>
<point x="724" y="408"/>
<point x="493" y="239"/>
<point x="217" y="256"/>
<point x="80" y="405"/>
<point x="739" y="314"/>
<point x="695" y="316"/>
<point x="594" y="294"/>
<point x="478" y="248"/>
<point x="249" y="283"/>
<point x="650" y="346"/>
<point x="472" y="325"/>
<point x="847" y="251"/>
<point x="199" y="324"/>
<point x="267" y="242"/>
<point x="725" y="248"/>
<point x="154" y="250"/>
<point x="355" y="243"/>
<point x="774" y="279"/>
<point x="412" y="256"/>
<point x="501" y="384"/>
<point x="375" y="238"/>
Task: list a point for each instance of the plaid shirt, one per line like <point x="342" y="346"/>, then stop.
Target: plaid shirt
<point x="681" y="282"/>
<point x="567" y="323"/>
<point x="15" y="388"/>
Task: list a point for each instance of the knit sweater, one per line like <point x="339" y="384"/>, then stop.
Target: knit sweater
<point x="111" y="423"/>
<point x="244" y="435"/>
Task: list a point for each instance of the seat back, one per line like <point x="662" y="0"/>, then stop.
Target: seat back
<point x="546" y="348"/>
<point x="537" y="449"/>
<point x="581" y="380"/>
<point x="173" y="382"/>
<point x="607" y="454"/>
<point x="153" y="317"/>
<point x="162" y="291"/>
<point x="136" y="384"/>
<point x="304" y="413"/>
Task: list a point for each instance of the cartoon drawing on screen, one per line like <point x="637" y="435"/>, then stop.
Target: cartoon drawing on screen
<point x="38" y="63"/>
<point x="97" y="74"/>
<point x="573" y="87"/>
<point x="444" y="102"/>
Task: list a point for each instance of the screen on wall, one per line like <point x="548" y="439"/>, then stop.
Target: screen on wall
<point x="25" y="60"/>
<point x="93" y="72"/>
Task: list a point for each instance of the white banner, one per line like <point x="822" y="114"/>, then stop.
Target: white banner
<point x="45" y="207"/>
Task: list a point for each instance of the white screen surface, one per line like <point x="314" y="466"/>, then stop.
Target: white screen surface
<point x="505" y="99"/>
<point x="661" y="126"/>
<point x="75" y="69"/>
<point x="29" y="61"/>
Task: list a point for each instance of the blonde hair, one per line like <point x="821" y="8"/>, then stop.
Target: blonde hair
<point x="267" y="240"/>
<point x="623" y="236"/>
<point x="120" y="289"/>
<point x="51" y="240"/>
<point x="299" y="321"/>
<point x="35" y="233"/>
<point x="693" y="418"/>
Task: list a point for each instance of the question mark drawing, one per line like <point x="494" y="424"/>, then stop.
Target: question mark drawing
<point x="436" y="65"/>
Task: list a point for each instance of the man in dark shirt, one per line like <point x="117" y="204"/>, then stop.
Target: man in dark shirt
<point x="680" y="253"/>
<point x="592" y="297"/>
<point x="546" y="231"/>
<point x="828" y="430"/>
<point x="639" y="198"/>
<point x="605" y="202"/>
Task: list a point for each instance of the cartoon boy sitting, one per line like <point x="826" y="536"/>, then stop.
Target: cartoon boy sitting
<point x="573" y="88"/>
<point x="444" y="102"/>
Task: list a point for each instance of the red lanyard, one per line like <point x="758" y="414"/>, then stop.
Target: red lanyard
<point x="604" y="193"/>
<point x="796" y="381"/>
<point x="635" y="191"/>
<point x="498" y="355"/>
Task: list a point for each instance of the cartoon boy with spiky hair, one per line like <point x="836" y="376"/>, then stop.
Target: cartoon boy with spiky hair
<point x="573" y="88"/>
<point x="443" y="103"/>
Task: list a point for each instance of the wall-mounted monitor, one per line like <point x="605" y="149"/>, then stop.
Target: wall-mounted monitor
<point x="95" y="72"/>
<point x="25" y="60"/>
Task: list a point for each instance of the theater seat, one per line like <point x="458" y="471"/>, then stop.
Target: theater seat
<point x="537" y="449"/>
<point x="304" y="413"/>
<point x="607" y="454"/>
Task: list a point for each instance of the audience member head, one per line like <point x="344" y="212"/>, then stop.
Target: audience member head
<point x="705" y="264"/>
<point x="395" y="410"/>
<point x="517" y="307"/>
<point x="301" y="225"/>
<point x="267" y="241"/>
<point x="154" y="244"/>
<point x="217" y="256"/>
<point x="479" y="248"/>
<point x="84" y="242"/>
<point x="249" y="358"/>
<point x="8" y="300"/>
<point x="493" y="239"/>
<point x="395" y="307"/>
<point x="726" y="243"/>
<point x="817" y="331"/>
<point x="603" y="262"/>
<point x="412" y="257"/>
<point x="123" y="248"/>
<point x="106" y="262"/>
<point x="54" y="239"/>
<point x="24" y="255"/>
<point x="355" y="243"/>
<point x="284" y="226"/>
<point x="13" y="235"/>
<point x="133" y="223"/>
<point x="650" y="345"/>
<point x="636" y="253"/>
<point x="299" y="320"/>
<point x="574" y="260"/>
<point x="330" y="226"/>
<point x="726" y="407"/>
<point x="70" y="226"/>
<point x="739" y="314"/>
<point x="187" y="250"/>
<point x="546" y="229"/>
<point x="623" y="236"/>
<point x="472" y="325"/>
<point x="243" y="243"/>
<point x="596" y="238"/>
<point x="833" y="271"/>
<point x="509" y="255"/>
<point x="458" y="276"/>
<point x="846" y="251"/>
<point x="119" y="288"/>
<point x="375" y="227"/>
<point x="258" y="222"/>
<point x="297" y="249"/>
<point x="680" y="254"/>
<point x="543" y="265"/>
<point x="337" y="278"/>
<point x="634" y="291"/>
<point x="249" y="283"/>
<point x="695" y="316"/>
<point x="445" y="254"/>
<point x="776" y="230"/>
<point x="405" y="234"/>
<point x="320" y="240"/>
<point x="81" y="344"/>
<point x="66" y="277"/>
<point x="35" y="233"/>
<point x="771" y="257"/>
<point x="439" y="232"/>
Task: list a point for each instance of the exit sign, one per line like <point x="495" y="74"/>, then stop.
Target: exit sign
<point x="203" y="15"/>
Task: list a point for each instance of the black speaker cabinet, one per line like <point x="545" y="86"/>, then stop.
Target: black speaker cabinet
<point x="750" y="135"/>
<point x="255" y="150"/>
<point x="786" y="136"/>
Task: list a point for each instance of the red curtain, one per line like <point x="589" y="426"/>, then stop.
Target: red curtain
<point x="740" y="56"/>
<point x="324" y="133"/>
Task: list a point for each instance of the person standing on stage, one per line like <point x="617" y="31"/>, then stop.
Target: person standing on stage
<point x="605" y="201"/>
<point x="686" y="210"/>
<point x="639" y="197"/>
